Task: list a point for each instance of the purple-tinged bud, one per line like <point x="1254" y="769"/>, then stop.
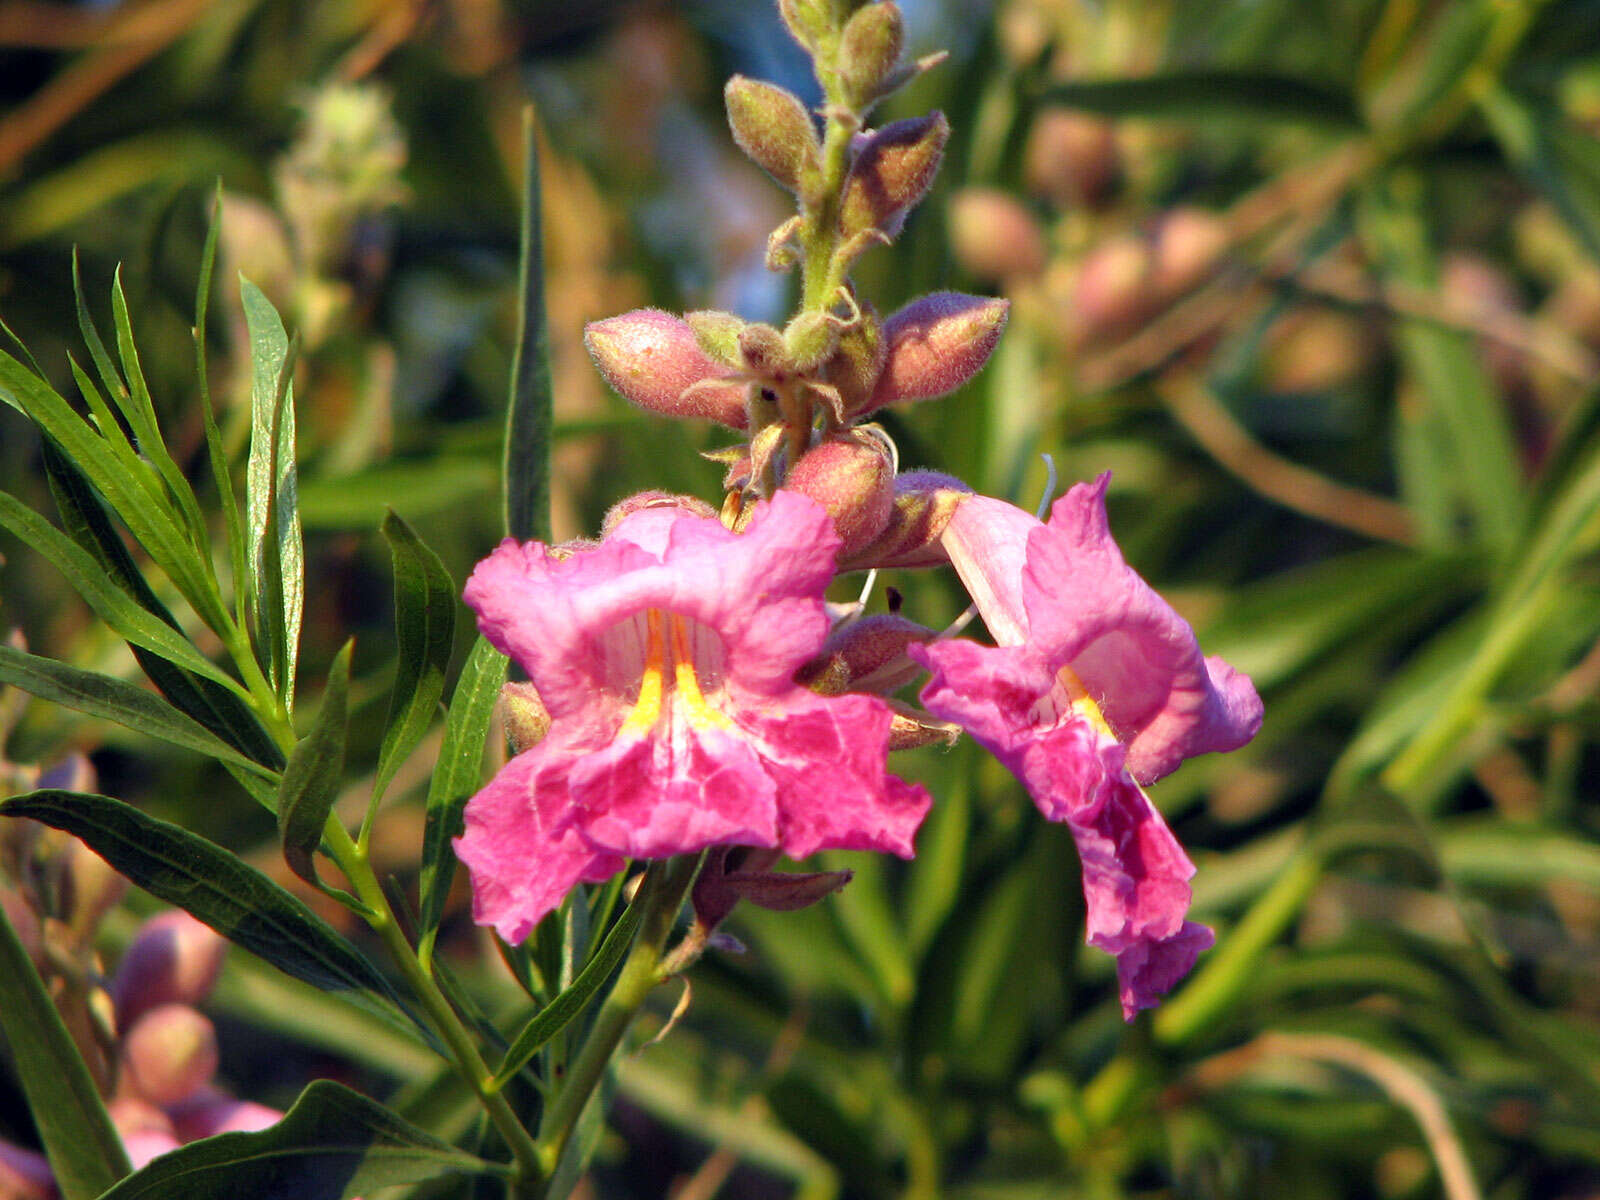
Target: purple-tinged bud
<point x="210" y="1112"/>
<point x="868" y="655"/>
<point x="739" y="873"/>
<point x="169" y="1053"/>
<point x="892" y="172"/>
<point x="994" y="236"/>
<point x="910" y="728"/>
<point x="1071" y="158"/>
<point x="523" y="716"/>
<point x="924" y="502"/>
<point x="852" y="476"/>
<point x="936" y="344"/>
<point x="26" y="924"/>
<point x="869" y="50"/>
<point x="174" y="959"/>
<point x="857" y="361"/>
<point x="1190" y="243"/>
<point x="25" y="1174"/>
<point x="652" y="359"/>
<point x="73" y="773"/>
<point x="773" y="127"/>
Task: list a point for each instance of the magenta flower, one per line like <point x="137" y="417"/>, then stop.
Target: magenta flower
<point x="666" y="658"/>
<point x="1096" y="686"/>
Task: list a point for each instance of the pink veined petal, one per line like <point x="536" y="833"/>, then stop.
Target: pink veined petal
<point x="1148" y="970"/>
<point x="992" y="692"/>
<point x="987" y="541"/>
<point x="522" y="862"/>
<point x="826" y="756"/>
<point x="649" y="797"/>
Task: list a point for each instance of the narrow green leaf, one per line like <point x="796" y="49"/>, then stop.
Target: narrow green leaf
<point x="311" y="780"/>
<point x="277" y="557"/>
<point x="84" y="517"/>
<point x="559" y="1013"/>
<point x="1258" y="97"/>
<point x="455" y="778"/>
<point x="868" y="922"/>
<point x="146" y="515"/>
<point x="113" y="700"/>
<point x="110" y="603"/>
<point x="1561" y="161"/>
<point x="425" y="622"/>
<point x="84" y="1150"/>
<point x="530" y="412"/>
<point x="141" y="413"/>
<point x="221" y="476"/>
<point x="235" y="899"/>
<point x="333" y="1144"/>
<point x="115" y="387"/>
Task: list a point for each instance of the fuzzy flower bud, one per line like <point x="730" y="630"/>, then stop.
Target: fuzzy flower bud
<point x="994" y="236"/>
<point x="718" y="334"/>
<point x="924" y="502"/>
<point x="652" y="498"/>
<point x="869" y="49"/>
<point x="773" y="127"/>
<point x="738" y="873"/>
<point x="1113" y="287"/>
<point x="857" y="361"/>
<point x="169" y="1053"/>
<point x="1189" y="246"/>
<point x="892" y="172"/>
<point x="936" y="344"/>
<point x="1071" y="158"/>
<point x="653" y="360"/>
<point x="808" y="20"/>
<point x="868" y="655"/>
<point x="523" y="715"/>
<point x="174" y="959"/>
<point x="852" y="477"/>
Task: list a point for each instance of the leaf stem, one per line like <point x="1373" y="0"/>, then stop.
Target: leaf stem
<point x="661" y="895"/>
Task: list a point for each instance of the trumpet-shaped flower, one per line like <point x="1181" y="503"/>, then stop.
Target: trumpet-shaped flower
<point x="666" y="658"/>
<point x="1096" y="687"/>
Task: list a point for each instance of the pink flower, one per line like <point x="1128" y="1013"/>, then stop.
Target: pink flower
<point x="1096" y="687"/>
<point x="666" y="658"/>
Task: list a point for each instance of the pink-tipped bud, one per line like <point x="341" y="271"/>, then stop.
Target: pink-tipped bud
<point x="147" y="1145"/>
<point x="174" y="959"/>
<point x="852" y="476"/>
<point x="1113" y="287"/>
<point x="209" y="1112"/>
<point x="653" y="360"/>
<point x="936" y="344"/>
<point x="868" y="655"/>
<point x="653" y="498"/>
<point x="169" y="1053"/>
<point x="523" y="715"/>
<point x="994" y="236"/>
<point x="1190" y="243"/>
<point x="924" y="502"/>
<point x="24" y="1174"/>
<point x="1071" y="158"/>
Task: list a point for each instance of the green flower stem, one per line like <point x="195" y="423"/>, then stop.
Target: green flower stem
<point x="353" y="861"/>
<point x="662" y="894"/>
<point x="820" y="267"/>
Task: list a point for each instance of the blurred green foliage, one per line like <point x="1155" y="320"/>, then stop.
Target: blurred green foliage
<point x="1319" y="282"/>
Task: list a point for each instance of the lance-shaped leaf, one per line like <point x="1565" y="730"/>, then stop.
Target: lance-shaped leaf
<point x="232" y="897"/>
<point x="333" y="1144"/>
<point x="455" y="778"/>
<point x="277" y="556"/>
<point x="425" y="623"/>
<point x="114" y="700"/>
<point x="84" y="1150"/>
<point x="238" y="554"/>
<point x="311" y="780"/>
<point x="110" y="603"/>
<point x="555" y="1016"/>
<point x="530" y="413"/>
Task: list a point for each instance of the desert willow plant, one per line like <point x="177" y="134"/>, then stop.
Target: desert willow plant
<point x="694" y="706"/>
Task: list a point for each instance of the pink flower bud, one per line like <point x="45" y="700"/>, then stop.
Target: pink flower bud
<point x="1113" y="288"/>
<point x="146" y="1145"/>
<point x="24" y="1174"/>
<point x="169" y="1053"/>
<point x="852" y="477"/>
<point x="868" y="655"/>
<point x="1071" y="158"/>
<point x="209" y="1112"/>
<point x="174" y="959"/>
<point x="132" y="1115"/>
<point x="653" y="360"/>
<point x="892" y="172"/>
<point x="526" y="719"/>
<point x="936" y="344"/>
<point x="653" y="498"/>
<point x="924" y="502"/>
<point x="1189" y="246"/>
<point x="994" y="236"/>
